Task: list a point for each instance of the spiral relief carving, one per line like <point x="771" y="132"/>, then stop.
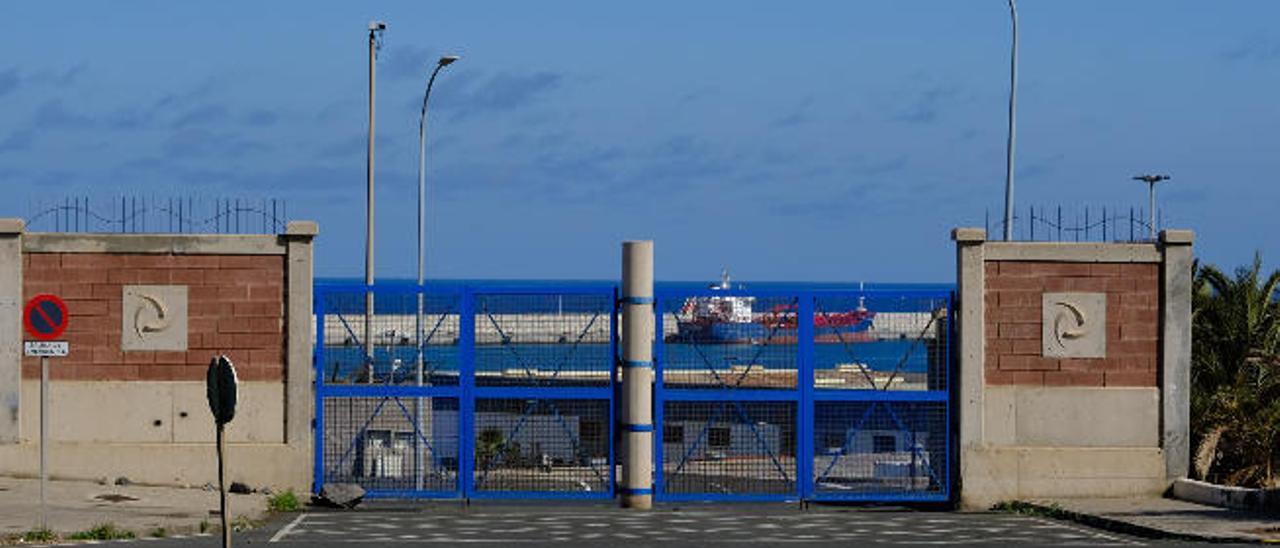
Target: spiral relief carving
<point x="1074" y="325"/>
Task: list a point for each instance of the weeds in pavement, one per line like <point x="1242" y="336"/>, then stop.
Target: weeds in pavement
<point x="34" y="535"/>
<point x="159" y="532"/>
<point x="284" y="502"/>
<point x="1051" y="510"/>
<point x="102" y="531"/>
<point x="245" y="523"/>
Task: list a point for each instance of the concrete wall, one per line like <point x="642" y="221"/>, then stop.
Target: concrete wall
<point x="142" y="413"/>
<point x="1112" y="423"/>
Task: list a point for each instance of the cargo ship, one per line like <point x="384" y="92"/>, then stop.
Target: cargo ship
<point x="731" y="319"/>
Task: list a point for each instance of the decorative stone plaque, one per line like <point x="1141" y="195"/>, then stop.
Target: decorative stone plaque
<point x="154" y="317"/>
<point x="1074" y="325"/>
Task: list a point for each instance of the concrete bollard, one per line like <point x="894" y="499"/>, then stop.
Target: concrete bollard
<point x="637" y="374"/>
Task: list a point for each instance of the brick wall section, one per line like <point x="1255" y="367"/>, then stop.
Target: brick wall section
<point x="235" y="306"/>
<point x="1013" y="323"/>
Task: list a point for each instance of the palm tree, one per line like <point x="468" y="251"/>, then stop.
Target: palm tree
<point x="1235" y="374"/>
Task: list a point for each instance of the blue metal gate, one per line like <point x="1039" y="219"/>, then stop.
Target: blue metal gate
<point x="809" y="395"/>
<point x="509" y="394"/>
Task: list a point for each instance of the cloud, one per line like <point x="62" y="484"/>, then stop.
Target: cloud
<point x="130" y="118"/>
<point x="791" y="120"/>
<point x="1258" y="49"/>
<point x="882" y="167"/>
<point x="18" y="140"/>
<point x="194" y="143"/>
<point x="501" y="92"/>
<point x="60" y="78"/>
<point x="408" y="62"/>
<point x="927" y="105"/>
<point x="1040" y="167"/>
<point x="261" y="117"/>
<point x="798" y="116"/>
<point x="202" y="116"/>
<point x="52" y="114"/>
<point x="9" y="81"/>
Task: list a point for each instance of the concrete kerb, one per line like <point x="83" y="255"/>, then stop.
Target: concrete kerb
<point x="1226" y="496"/>
<point x="1070" y="510"/>
<point x="1052" y="510"/>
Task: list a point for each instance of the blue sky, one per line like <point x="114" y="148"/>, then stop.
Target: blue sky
<point x="815" y="141"/>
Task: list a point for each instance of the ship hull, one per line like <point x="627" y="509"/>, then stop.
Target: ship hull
<point x="755" y="333"/>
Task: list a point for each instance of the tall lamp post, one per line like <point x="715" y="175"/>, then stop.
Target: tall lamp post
<point x="1151" y="181"/>
<point x="376" y="28"/>
<point x="1013" y="110"/>
<point x="422" y="207"/>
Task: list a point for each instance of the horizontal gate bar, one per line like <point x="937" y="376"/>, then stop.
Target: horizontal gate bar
<point x="409" y="494"/>
<point x="480" y="494"/>
<point x="728" y="497"/>
<point x="880" y="395"/>
<point x="383" y="390"/>
<point x="430" y="289"/>
<point x="543" y="393"/>
<point x="665" y="293"/>
<point x="720" y="394"/>
<point x="881" y="497"/>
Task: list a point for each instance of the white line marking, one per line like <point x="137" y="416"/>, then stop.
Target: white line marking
<point x="284" y="531"/>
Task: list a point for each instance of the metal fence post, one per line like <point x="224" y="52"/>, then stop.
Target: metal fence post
<point x="637" y="374"/>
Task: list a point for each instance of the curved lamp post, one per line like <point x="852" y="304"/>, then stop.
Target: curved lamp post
<point x="422" y="201"/>
<point x="1013" y="108"/>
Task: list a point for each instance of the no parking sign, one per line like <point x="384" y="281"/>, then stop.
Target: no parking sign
<point x="46" y="318"/>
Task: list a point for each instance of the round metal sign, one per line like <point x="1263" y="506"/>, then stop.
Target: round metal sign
<point x="220" y="387"/>
<point x="45" y="317"/>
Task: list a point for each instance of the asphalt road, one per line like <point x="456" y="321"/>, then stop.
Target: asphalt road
<point x="551" y="524"/>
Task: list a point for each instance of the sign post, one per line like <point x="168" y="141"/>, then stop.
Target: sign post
<point x="220" y="387"/>
<point x="45" y="318"/>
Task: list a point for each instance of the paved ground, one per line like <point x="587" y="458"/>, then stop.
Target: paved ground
<point x="78" y="505"/>
<point x="544" y="524"/>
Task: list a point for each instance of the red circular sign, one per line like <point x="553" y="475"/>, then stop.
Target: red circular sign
<point x="45" y="317"/>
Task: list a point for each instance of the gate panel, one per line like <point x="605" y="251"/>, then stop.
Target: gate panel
<point x="370" y="441"/>
<point x="544" y="370"/>
<point x="728" y="448"/>
<point x="881" y="419"/>
<point x="514" y="398"/>
<point x="727" y="395"/>
<point x="801" y="394"/>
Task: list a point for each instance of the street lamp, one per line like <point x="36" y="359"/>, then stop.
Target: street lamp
<point x="1013" y="108"/>
<point x="422" y="201"/>
<point x="376" y="28"/>
<point x="422" y="196"/>
<point x="1151" y="181"/>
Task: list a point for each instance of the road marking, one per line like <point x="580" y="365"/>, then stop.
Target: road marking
<point x="284" y="531"/>
<point x="1096" y="533"/>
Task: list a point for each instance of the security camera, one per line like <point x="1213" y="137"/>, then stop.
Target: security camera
<point x="377" y="25"/>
